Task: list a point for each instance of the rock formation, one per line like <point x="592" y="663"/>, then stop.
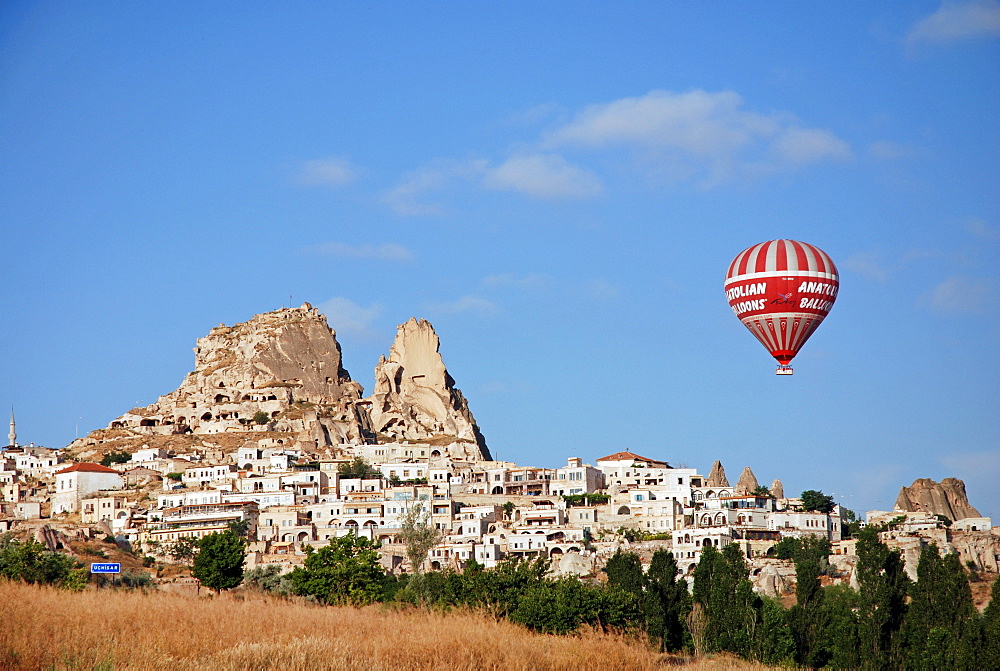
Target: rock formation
<point x="747" y="483"/>
<point x="777" y="489"/>
<point x="717" y="476"/>
<point x="416" y="399"/>
<point x="281" y="370"/>
<point x="774" y="578"/>
<point x="279" y="376"/>
<point x="946" y="498"/>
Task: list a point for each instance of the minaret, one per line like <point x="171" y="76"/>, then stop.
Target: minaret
<point x="12" y="436"/>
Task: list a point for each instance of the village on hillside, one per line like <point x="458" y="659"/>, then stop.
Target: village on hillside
<point x="269" y="433"/>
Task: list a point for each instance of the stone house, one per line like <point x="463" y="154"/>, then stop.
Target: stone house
<point x="104" y="506"/>
<point x="577" y="478"/>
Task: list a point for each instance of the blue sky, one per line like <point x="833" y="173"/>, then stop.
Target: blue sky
<point x="558" y="187"/>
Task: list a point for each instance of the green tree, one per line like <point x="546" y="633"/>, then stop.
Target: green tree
<point x="219" y="562"/>
<point x="557" y="606"/>
<point x="851" y="524"/>
<point x="786" y="548"/>
<point x="358" y="468"/>
<point x="347" y="571"/>
<point x="624" y="572"/>
<point x="115" y="458"/>
<point x="240" y="528"/>
<point x="941" y="621"/>
<point x="808" y="618"/>
<point x="560" y="606"/>
<point x="774" y="644"/>
<point x="499" y="590"/>
<point x="816" y="500"/>
<point x="881" y="601"/>
<point x="30" y="562"/>
<point x="666" y="603"/>
<point x="261" y="417"/>
<point x="508" y="510"/>
<point x="842" y="641"/>
<point x="761" y="490"/>
<point x="723" y="589"/>
<point x="183" y="549"/>
<point x="420" y="537"/>
<point x="989" y="648"/>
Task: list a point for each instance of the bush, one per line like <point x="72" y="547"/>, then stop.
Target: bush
<point x="115" y="458"/>
<point x="32" y="563"/>
<point x="347" y="571"/>
<point x="268" y="579"/>
<point x="132" y="579"/>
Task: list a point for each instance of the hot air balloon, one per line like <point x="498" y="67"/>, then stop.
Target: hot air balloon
<point x="782" y="290"/>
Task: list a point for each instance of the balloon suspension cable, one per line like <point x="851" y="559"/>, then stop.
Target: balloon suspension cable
<point x="783" y="369"/>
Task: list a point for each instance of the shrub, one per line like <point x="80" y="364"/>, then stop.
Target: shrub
<point x="32" y="563"/>
<point x="268" y="578"/>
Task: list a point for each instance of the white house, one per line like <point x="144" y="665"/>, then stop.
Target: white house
<point x="80" y="480"/>
<point x="576" y="478"/>
<point x="628" y="470"/>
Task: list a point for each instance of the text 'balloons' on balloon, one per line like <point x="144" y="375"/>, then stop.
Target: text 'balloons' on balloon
<point x="782" y="290"/>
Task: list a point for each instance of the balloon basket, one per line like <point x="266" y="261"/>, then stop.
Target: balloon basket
<point x="783" y="370"/>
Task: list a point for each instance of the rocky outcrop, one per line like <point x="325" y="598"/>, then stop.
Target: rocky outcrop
<point x="747" y="483"/>
<point x="573" y="563"/>
<point x="279" y="371"/>
<point x="282" y="373"/>
<point x="946" y="498"/>
<point x="777" y="489"/>
<point x="717" y="476"/>
<point x="773" y="577"/>
<point x="416" y="399"/>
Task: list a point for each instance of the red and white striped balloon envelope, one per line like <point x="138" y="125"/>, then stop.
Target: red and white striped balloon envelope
<point x="782" y="290"/>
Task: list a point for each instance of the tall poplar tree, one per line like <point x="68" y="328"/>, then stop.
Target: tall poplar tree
<point x="722" y="587"/>
<point x="666" y="603"/>
<point x="988" y="656"/>
<point x="941" y="621"/>
<point x="809" y="618"/>
<point x="881" y="601"/>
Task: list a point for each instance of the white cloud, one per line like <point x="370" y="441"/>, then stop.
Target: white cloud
<point x="962" y="295"/>
<point x="348" y="318"/>
<point x="806" y="145"/>
<point x="982" y="230"/>
<point x="697" y="122"/>
<point x="868" y="265"/>
<point x="886" y="150"/>
<point x="466" y="304"/>
<point x="409" y="197"/>
<point x="327" y="172"/>
<point x="383" y="252"/>
<point x="542" y="176"/>
<point x="956" y="21"/>
<point x="700" y="131"/>
<point x="536" y="114"/>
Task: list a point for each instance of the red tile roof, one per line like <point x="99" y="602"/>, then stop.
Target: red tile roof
<point x="625" y="456"/>
<point x="88" y="467"/>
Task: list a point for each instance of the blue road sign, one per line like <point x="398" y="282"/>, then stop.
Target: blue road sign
<point x="107" y="567"/>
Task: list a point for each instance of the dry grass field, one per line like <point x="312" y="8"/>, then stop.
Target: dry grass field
<point x="45" y="628"/>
